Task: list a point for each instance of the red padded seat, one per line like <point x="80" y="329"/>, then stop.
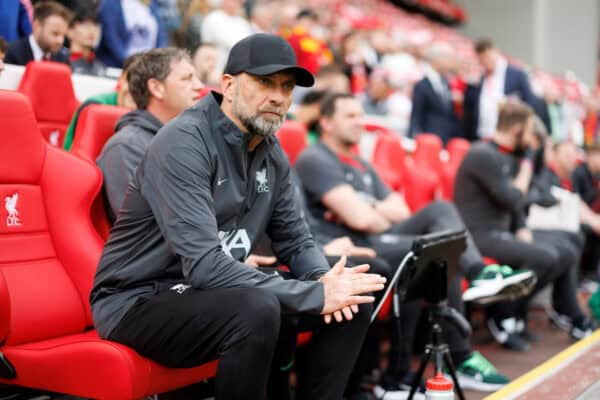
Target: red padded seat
<point x="49" y="251"/>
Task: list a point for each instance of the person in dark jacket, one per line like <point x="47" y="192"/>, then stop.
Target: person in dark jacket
<point x="50" y="23"/>
<point x="84" y="33"/>
<point x="172" y="282"/>
<point x="162" y="83"/>
<point x="500" y="80"/>
<point x="432" y="106"/>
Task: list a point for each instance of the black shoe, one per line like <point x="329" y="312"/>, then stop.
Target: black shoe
<point x="504" y="332"/>
<point x="529" y="336"/>
<point x="582" y="328"/>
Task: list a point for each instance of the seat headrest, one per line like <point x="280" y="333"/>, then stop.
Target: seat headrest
<point x="95" y="126"/>
<point x="22" y="147"/>
<point x="49" y="87"/>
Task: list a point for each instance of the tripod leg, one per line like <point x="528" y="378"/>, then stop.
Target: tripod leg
<point x="452" y="369"/>
<point x="419" y="375"/>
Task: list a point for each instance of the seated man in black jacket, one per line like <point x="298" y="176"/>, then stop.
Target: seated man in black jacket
<point x="50" y="23"/>
<point x="491" y="194"/>
<point x="171" y="283"/>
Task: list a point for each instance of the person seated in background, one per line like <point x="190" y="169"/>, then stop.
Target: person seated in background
<point x="490" y="192"/>
<point x="14" y="20"/>
<point x="349" y="199"/>
<point x="332" y="78"/>
<point x="308" y="111"/>
<point x="163" y="83"/>
<point x="3" y="47"/>
<point x="176" y="253"/>
<point x="432" y="106"/>
<point x="84" y="34"/>
<point x="120" y="97"/>
<point x="586" y="182"/>
<point x="50" y="24"/>
<point x="205" y="58"/>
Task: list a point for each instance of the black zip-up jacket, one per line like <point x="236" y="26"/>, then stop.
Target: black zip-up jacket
<point x="195" y="209"/>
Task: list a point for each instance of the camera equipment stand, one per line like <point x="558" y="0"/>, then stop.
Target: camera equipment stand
<point x="437" y="310"/>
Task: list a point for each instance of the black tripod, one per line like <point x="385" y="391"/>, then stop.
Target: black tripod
<point x="438" y="310"/>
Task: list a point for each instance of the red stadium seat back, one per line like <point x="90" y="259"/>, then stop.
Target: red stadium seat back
<point x="427" y="151"/>
<point x="48" y="256"/>
<point x="457" y="149"/>
<point x="420" y="186"/>
<point x="48" y="253"/>
<point x="49" y="87"/>
<point x="389" y="160"/>
<point x="292" y="137"/>
<point x="96" y="124"/>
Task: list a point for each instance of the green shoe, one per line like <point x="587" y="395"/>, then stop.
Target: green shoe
<point x="477" y="373"/>
<point x="499" y="282"/>
<point x="594" y="304"/>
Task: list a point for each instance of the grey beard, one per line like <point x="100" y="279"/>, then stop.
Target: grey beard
<point x="260" y="126"/>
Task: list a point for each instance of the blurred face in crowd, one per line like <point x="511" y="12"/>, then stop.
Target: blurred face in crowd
<point x="179" y="90"/>
<point x="50" y="34"/>
<point x="259" y="103"/>
<point x="565" y="157"/>
<point x="334" y="82"/>
<point x="379" y="88"/>
<point x="488" y="59"/>
<point x="205" y="60"/>
<point x="345" y="125"/>
<point x="84" y="35"/>
<point x="524" y="135"/>
<point x="593" y="161"/>
<point x="232" y="7"/>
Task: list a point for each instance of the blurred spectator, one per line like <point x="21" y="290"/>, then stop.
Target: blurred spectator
<point x="432" y="106"/>
<point x="311" y="52"/>
<point x="287" y="13"/>
<point x="586" y="182"/>
<point x="262" y="18"/>
<point x="128" y="27"/>
<point x="50" y="24"/>
<point x="381" y="99"/>
<point x="354" y="52"/>
<point x="84" y="34"/>
<point x="168" y="16"/>
<point x="14" y="20"/>
<point x="205" y="60"/>
<point x="76" y="5"/>
<point x="120" y="97"/>
<point x="163" y="83"/>
<point x="590" y="122"/>
<point x="3" y="48"/>
<point x="308" y="112"/>
<point x="191" y="27"/>
<point x="224" y="27"/>
<point x="332" y="78"/>
<point x="553" y="113"/>
<point x="500" y="80"/>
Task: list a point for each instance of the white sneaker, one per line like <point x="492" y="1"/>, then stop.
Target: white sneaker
<point x="393" y="394"/>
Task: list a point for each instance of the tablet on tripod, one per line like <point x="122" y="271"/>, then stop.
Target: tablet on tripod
<point x="426" y="270"/>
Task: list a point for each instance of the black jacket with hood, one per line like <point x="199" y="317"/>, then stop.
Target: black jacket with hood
<point x="196" y="207"/>
<point x="123" y="153"/>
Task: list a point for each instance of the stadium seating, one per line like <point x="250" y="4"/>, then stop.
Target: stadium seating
<point x="292" y="137"/>
<point x="49" y="88"/>
<point x="427" y="151"/>
<point x="48" y="256"/>
<point x="96" y="124"/>
<point x="457" y="150"/>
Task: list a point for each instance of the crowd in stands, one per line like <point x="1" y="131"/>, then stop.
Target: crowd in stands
<point x="535" y="142"/>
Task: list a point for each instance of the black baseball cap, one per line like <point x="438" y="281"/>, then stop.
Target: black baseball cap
<point x="265" y="54"/>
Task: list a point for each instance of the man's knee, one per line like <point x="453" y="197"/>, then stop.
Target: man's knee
<point x="260" y="312"/>
<point x="442" y="208"/>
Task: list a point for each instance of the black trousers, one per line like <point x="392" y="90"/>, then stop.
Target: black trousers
<point x="553" y="256"/>
<point x="245" y="330"/>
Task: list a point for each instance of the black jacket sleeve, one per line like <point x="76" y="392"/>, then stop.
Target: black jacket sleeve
<point x="175" y="181"/>
<point x="290" y="235"/>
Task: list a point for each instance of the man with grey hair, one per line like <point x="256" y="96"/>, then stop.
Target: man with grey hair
<point x="173" y="282"/>
<point x="432" y="106"/>
<point x="162" y="83"/>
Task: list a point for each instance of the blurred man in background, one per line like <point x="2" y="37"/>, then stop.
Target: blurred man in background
<point x="84" y="34"/>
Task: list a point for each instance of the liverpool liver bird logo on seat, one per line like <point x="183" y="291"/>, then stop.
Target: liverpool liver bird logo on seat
<point x="10" y="202"/>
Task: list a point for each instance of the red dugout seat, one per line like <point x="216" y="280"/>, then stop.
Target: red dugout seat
<point x="95" y="126"/>
<point x="292" y="137"/>
<point x="427" y="151"/>
<point x="48" y="256"/>
<point x="49" y="87"/>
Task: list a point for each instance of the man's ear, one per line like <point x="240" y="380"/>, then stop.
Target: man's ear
<point x="156" y="88"/>
<point x="228" y="83"/>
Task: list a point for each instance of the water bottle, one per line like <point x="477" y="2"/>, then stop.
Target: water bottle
<point x="439" y="388"/>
